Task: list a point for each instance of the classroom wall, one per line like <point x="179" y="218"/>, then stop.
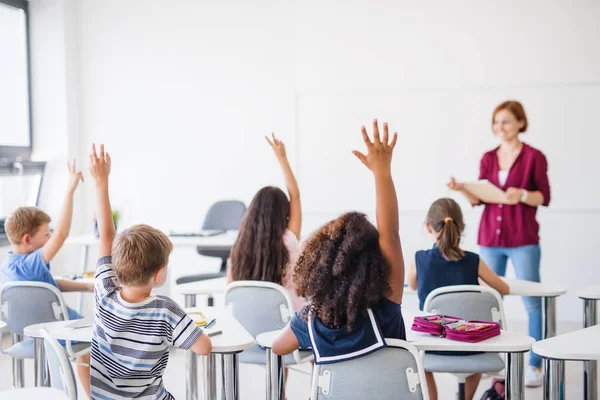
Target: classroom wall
<point x="182" y="92"/>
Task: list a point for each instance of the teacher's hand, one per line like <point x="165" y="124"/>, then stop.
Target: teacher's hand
<point x="513" y="195"/>
<point x="453" y="185"/>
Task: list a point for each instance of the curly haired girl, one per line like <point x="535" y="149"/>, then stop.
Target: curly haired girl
<point x="351" y="274"/>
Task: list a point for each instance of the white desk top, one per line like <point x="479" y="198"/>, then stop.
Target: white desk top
<point x="209" y="286"/>
<point x="582" y="344"/>
<point x="59" y="331"/>
<point x="233" y="339"/>
<point x="507" y="342"/>
<point x="45" y="393"/>
<point x="590" y="293"/>
<point x="225" y="240"/>
<point x="3" y="326"/>
<point x="533" y="289"/>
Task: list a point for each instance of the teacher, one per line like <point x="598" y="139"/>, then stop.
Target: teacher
<point x="510" y="231"/>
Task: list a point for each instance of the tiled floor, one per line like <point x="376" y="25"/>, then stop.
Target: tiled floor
<point x="252" y="378"/>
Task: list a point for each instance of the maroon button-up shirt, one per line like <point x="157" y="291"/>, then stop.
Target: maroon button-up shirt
<point x="505" y="225"/>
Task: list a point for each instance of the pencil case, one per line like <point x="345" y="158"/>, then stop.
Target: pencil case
<point x="454" y="328"/>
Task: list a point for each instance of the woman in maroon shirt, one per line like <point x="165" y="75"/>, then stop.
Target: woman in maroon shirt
<point x="510" y="231"/>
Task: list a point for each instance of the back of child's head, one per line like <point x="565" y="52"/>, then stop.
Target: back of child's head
<point x="22" y="221"/>
<point x="446" y="219"/>
<point x="259" y="252"/>
<point x="138" y="253"/>
<point x="341" y="271"/>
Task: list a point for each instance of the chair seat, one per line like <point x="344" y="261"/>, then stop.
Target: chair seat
<point x="25" y="349"/>
<point x="257" y="355"/>
<point x="485" y="362"/>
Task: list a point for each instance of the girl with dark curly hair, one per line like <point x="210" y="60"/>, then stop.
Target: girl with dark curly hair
<point x="446" y="264"/>
<point x="269" y="232"/>
<point x="351" y="274"/>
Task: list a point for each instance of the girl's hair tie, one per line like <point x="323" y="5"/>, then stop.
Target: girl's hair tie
<point x="448" y="219"/>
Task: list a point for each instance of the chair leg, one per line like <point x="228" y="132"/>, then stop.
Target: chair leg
<point x="18" y="372"/>
<point x="461" y="391"/>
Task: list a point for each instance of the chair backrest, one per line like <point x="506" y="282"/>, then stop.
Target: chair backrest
<point x="226" y="214"/>
<point x="27" y="303"/>
<point x="471" y="302"/>
<point x="61" y="372"/>
<point x="394" y="372"/>
<point x="259" y="306"/>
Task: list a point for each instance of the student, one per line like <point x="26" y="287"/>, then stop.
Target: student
<point x="269" y="232"/>
<point x="352" y="274"/>
<point x="133" y="329"/>
<point x="446" y="264"/>
<point x="33" y="247"/>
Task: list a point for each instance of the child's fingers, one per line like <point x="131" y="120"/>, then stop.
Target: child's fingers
<point x="101" y="151"/>
<point x="108" y="160"/>
<point x="360" y="156"/>
<point x="386" y="136"/>
<point x="394" y="140"/>
<point x="266" y="137"/>
<point x="376" y="139"/>
<point x="366" y="137"/>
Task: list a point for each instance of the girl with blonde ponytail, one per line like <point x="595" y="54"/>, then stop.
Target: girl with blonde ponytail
<point x="446" y="264"/>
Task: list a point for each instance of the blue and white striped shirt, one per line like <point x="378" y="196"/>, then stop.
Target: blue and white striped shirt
<point x="131" y="341"/>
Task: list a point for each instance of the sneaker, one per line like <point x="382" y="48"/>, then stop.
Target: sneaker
<point x="533" y="376"/>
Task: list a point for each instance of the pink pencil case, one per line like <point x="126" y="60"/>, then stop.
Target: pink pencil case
<point x="455" y="328"/>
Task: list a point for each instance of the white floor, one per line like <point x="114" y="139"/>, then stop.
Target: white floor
<point x="252" y="378"/>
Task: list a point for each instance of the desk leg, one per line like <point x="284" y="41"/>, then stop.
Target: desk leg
<point x="191" y="377"/>
<point x="554" y="383"/>
<point x="269" y="375"/>
<point x="548" y="317"/>
<point x="277" y="377"/>
<point x="39" y="362"/>
<point x="515" y="385"/>
<point x="209" y="377"/>
<point x="590" y="386"/>
<point x="85" y="249"/>
<point x="230" y="375"/>
<point x="190" y="300"/>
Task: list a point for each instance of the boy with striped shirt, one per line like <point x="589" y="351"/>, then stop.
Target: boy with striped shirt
<point x="133" y="329"/>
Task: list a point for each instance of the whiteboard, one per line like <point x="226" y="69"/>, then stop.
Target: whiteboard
<point x="442" y="133"/>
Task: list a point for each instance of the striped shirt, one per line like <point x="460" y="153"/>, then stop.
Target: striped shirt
<point x="131" y="341"/>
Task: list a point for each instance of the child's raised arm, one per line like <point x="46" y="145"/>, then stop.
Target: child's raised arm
<point x="63" y="225"/>
<point x="99" y="166"/>
<point x="295" y="222"/>
<point x="379" y="159"/>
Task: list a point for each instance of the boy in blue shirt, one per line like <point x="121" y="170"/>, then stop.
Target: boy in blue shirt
<point x="33" y="246"/>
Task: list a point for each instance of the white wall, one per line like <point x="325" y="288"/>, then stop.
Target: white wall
<point x="181" y="92"/>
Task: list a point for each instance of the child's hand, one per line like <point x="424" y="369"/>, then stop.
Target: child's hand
<point x="74" y="176"/>
<point x="453" y="185"/>
<point x="379" y="152"/>
<point x="277" y="146"/>
<point x="90" y="286"/>
<point x="99" y="165"/>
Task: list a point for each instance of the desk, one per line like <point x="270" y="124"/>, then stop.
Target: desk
<point x="512" y="344"/>
<point x="34" y="393"/>
<point x="590" y="297"/>
<point x="217" y="242"/>
<point x="581" y="345"/>
<point x="233" y="341"/>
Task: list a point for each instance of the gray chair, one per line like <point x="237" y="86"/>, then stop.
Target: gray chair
<point x="222" y="215"/>
<point x="394" y="372"/>
<point x="261" y="307"/>
<point x="471" y="302"/>
<point x="61" y="372"/>
<point x="28" y="303"/>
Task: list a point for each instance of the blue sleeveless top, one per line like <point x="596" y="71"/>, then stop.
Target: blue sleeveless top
<point x="336" y="345"/>
<point x="434" y="271"/>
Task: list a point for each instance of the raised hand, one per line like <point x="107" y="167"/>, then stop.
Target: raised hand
<point x="277" y="146"/>
<point x="99" y="164"/>
<point x="379" y="152"/>
<point x="75" y="176"/>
